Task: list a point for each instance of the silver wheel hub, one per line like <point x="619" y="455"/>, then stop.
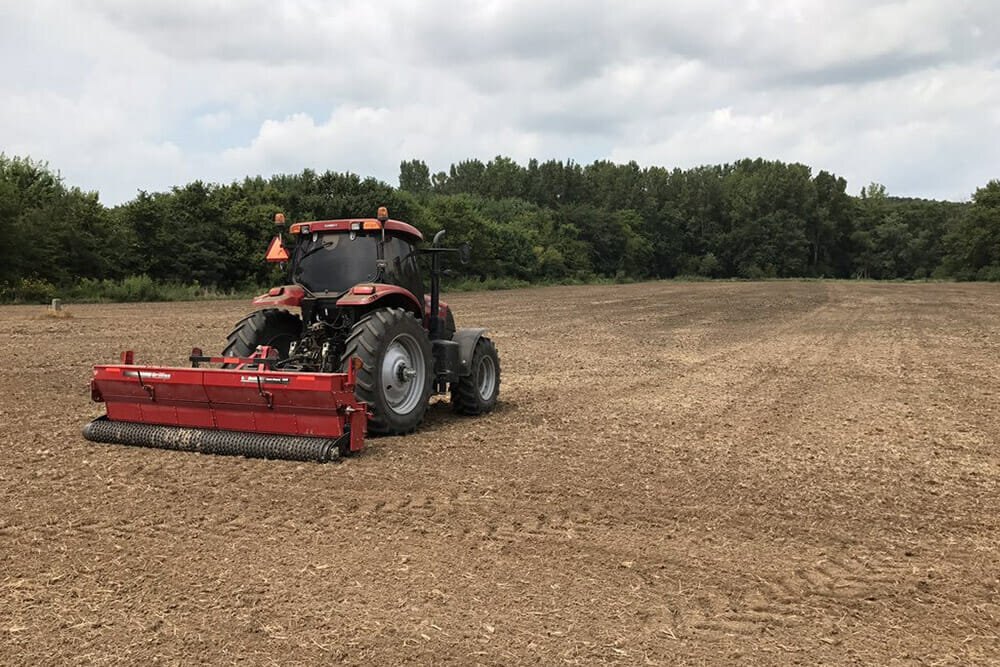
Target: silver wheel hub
<point x="486" y="378"/>
<point x="402" y="371"/>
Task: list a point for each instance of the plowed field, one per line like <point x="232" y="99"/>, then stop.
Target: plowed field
<point x="770" y="473"/>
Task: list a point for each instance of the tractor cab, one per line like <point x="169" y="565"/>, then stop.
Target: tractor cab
<point x="329" y="257"/>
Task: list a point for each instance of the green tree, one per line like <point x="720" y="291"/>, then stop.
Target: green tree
<point x="974" y="242"/>
<point x="414" y="176"/>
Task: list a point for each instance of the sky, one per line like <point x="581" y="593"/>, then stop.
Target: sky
<point x="122" y="96"/>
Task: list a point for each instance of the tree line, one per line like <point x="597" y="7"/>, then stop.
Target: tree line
<point x="550" y="221"/>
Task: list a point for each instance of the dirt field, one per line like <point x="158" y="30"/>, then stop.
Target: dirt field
<point x="779" y="473"/>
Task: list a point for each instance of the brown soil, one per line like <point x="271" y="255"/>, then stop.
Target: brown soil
<point x="778" y="473"/>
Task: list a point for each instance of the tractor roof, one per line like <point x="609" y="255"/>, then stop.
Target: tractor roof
<point x="344" y="225"/>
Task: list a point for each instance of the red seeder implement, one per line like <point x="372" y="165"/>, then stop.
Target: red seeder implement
<point x="246" y="409"/>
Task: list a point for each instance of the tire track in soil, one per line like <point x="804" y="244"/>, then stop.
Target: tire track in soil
<point x="779" y="601"/>
<point x="468" y="517"/>
<point x="775" y="605"/>
<point x="688" y="375"/>
<point x="691" y="370"/>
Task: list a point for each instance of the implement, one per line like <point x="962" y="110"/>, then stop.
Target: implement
<point x="246" y="410"/>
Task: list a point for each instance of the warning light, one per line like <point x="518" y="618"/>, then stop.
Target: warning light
<point x="279" y="219"/>
<point x="372" y="226"/>
<point x="383" y="214"/>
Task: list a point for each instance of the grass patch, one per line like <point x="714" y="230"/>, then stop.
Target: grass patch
<point x="133" y="289"/>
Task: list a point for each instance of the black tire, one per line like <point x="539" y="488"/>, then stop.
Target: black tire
<point x="270" y="326"/>
<point x="477" y="392"/>
<point x="391" y="344"/>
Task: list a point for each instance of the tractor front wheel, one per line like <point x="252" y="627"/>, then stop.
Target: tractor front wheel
<point x="270" y="326"/>
<point x="397" y="372"/>
<point x="477" y="392"/>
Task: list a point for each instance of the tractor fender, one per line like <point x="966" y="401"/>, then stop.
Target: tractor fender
<point x="369" y="296"/>
<point x="467" y="339"/>
<point x="286" y="295"/>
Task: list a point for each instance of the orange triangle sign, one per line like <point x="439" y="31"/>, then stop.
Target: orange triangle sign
<point x="276" y="251"/>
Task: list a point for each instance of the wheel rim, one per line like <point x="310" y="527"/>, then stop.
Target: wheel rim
<point x="486" y="376"/>
<point x="403" y="374"/>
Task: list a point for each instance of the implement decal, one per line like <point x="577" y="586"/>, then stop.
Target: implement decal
<point x="254" y="379"/>
<point x="147" y="375"/>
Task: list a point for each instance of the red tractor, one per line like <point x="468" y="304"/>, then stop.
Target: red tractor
<point x="359" y="287"/>
<point x="365" y="352"/>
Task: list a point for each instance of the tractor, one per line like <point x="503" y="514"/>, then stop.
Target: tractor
<point x="360" y="292"/>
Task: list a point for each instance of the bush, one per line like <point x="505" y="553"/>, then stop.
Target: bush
<point x="474" y="284"/>
<point x="709" y="266"/>
<point x="131" y="289"/>
<point x="144" y="288"/>
<point x="28" y="290"/>
<point x="990" y="273"/>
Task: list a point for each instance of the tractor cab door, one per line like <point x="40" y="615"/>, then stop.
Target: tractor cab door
<point x="402" y="268"/>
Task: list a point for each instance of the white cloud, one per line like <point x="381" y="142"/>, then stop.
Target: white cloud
<point x="121" y="96"/>
<point x="219" y="120"/>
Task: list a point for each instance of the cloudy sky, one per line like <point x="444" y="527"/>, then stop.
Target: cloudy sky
<point x="121" y="96"/>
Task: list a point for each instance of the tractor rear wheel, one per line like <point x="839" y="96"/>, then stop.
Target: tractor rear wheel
<point x="477" y="392"/>
<point x="397" y="371"/>
<point x="270" y="326"/>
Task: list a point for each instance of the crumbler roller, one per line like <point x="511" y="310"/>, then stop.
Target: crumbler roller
<point x="227" y="443"/>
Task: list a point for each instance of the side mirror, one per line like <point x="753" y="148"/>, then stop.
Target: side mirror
<point x="465" y="253"/>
